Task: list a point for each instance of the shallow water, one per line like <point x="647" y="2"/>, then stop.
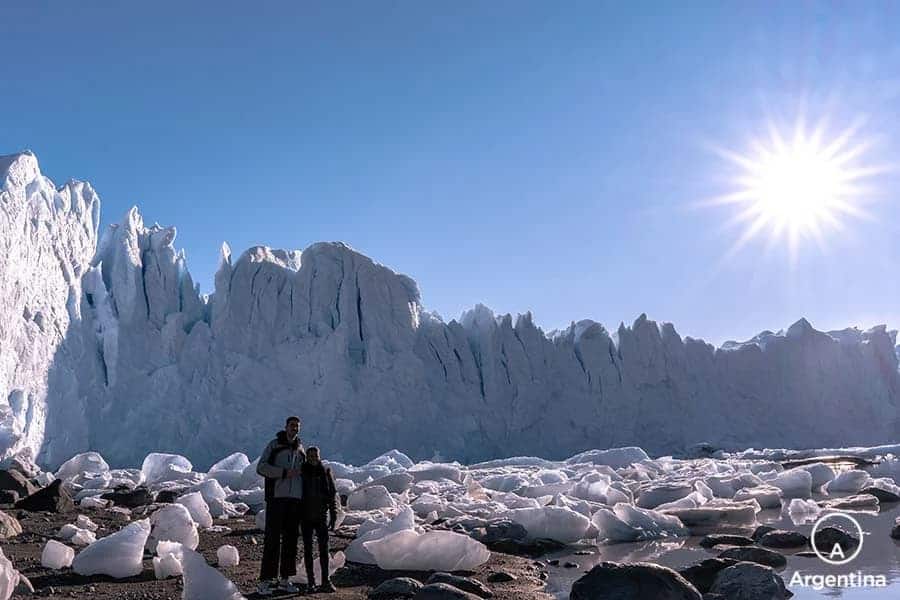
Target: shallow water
<point x="880" y="555"/>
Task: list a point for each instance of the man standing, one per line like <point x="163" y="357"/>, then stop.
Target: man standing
<point x="318" y="502"/>
<point x="280" y="464"/>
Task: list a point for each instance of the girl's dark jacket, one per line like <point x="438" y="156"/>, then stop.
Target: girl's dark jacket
<point x="319" y="497"/>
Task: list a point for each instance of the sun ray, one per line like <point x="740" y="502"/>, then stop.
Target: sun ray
<point x="798" y="184"/>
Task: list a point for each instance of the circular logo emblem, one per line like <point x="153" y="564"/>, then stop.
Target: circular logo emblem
<point x="835" y="555"/>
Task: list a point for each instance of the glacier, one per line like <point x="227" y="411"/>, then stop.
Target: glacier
<point x="107" y="344"/>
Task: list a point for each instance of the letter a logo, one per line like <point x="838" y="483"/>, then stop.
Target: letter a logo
<point x="837" y="551"/>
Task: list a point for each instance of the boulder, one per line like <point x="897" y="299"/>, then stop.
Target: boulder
<point x="442" y="591"/>
<point x="9" y="526"/>
<point x="702" y="574"/>
<point x="396" y="588"/>
<point x="529" y="548"/>
<point x="719" y="539"/>
<point x="827" y="537"/>
<point x="750" y="581"/>
<point x="500" y="530"/>
<point x="761" y="531"/>
<point x="882" y="494"/>
<point x="139" y="496"/>
<point x="52" y="498"/>
<point x="895" y="532"/>
<point x="466" y="584"/>
<point x="168" y="496"/>
<point x="614" y="581"/>
<point x="14" y="481"/>
<point x="760" y="556"/>
<point x="784" y="539"/>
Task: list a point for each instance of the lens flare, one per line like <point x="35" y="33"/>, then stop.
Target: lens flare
<point x="799" y="186"/>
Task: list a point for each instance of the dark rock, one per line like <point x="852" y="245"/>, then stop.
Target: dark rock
<point x="52" y="498"/>
<point x="759" y="556"/>
<point x="895" y="532"/>
<point x="882" y="495"/>
<point x="139" y="496"/>
<point x="9" y="496"/>
<point x="501" y="530"/>
<point x="615" y="581"/>
<point x="554" y="562"/>
<point x="398" y="587"/>
<point x="168" y="496"/>
<point x="827" y="537"/>
<point x="761" y="531"/>
<point x="784" y="539"/>
<point x="9" y="526"/>
<point x="442" y="591"/>
<point x="570" y="565"/>
<point x="466" y="584"/>
<point x="501" y="577"/>
<point x="749" y="581"/>
<point x="529" y="548"/>
<point x="14" y="481"/>
<point x="719" y="539"/>
<point x="702" y="574"/>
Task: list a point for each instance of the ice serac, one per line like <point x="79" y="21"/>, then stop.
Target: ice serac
<point x="48" y="236"/>
<point x="104" y="336"/>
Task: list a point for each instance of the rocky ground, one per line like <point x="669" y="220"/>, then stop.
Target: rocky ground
<point x="353" y="581"/>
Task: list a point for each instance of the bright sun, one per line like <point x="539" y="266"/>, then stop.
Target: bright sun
<point x="798" y="186"/>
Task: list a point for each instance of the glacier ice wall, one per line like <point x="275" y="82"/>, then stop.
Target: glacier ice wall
<point x="106" y="344"/>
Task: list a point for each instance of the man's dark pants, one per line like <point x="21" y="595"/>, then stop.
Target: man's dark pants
<point x="320" y="528"/>
<point x="282" y="529"/>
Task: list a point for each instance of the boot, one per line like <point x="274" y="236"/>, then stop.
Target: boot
<point x="327" y="587"/>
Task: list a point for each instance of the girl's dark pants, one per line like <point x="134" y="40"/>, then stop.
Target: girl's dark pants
<point x="320" y="528"/>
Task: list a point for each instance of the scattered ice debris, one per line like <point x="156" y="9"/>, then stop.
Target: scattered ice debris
<point x="228" y="556"/>
<point x="167" y="562"/>
<point x="76" y="535"/>
<point x="552" y="522"/>
<point x="84" y="522"/>
<point x="173" y="522"/>
<point x="159" y="467"/>
<point x="56" y="555"/>
<point x="410" y="550"/>
<point x="9" y="577"/>
<point x="371" y="498"/>
<point x="197" y="507"/>
<point x="117" y="555"/>
<point x="626" y="523"/>
<point x="803" y="511"/>
<point x="203" y="582"/>
<point x="795" y="483"/>
<point x="82" y="464"/>
<point x="848" y="482"/>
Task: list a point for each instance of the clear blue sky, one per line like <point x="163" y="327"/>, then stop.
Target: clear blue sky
<point x="527" y="155"/>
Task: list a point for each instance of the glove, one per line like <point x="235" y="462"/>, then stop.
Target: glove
<point x="332" y="518"/>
